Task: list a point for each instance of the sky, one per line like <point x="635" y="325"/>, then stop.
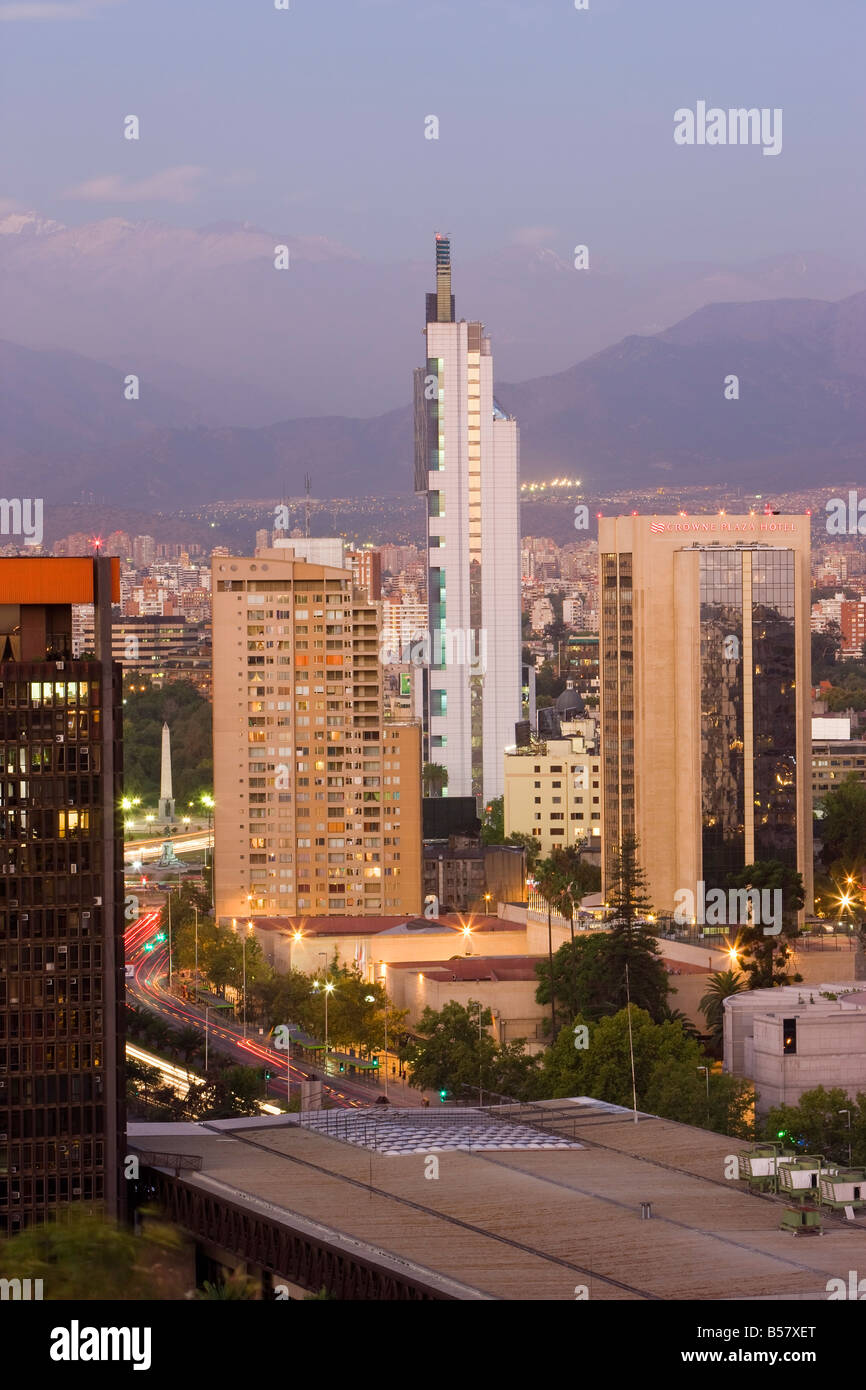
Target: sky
<point x="555" y="124"/>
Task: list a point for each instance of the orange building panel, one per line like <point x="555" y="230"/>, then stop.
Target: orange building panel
<point x="42" y="579"/>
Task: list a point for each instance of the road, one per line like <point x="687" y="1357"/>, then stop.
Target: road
<point x="146" y="989"/>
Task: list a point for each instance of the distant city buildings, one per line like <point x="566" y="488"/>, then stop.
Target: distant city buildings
<point x="466" y="465"/>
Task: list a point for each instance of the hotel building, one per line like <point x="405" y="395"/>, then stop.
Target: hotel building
<point x="318" y="798"/>
<point x="466" y="464"/>
<point x="705" y="696"/>
<point x="62" y="1076"/>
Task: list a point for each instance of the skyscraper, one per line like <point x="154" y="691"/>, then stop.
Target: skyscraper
<point x="705" y="696"/>
<point x="318" y="799"/>
<point x="62" y="1083"/>
<point x="466" y="464"/>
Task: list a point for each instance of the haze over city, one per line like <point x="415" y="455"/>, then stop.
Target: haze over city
<point x="432" y="674"/>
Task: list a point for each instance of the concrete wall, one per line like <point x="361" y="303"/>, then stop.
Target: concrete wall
<point x="512" y="1000"/>
<point x="831" y="1051"/>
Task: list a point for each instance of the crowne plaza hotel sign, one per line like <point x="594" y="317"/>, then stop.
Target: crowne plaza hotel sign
<point x="722" y="526"/>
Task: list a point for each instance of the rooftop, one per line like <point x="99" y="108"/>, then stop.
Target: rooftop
<point x="374" y="926"/>
<point x="526" y="1224"/>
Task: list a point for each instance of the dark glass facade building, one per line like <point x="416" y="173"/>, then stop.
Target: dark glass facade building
<point x="62" y="1118"/>
<point x="706" y="696"/>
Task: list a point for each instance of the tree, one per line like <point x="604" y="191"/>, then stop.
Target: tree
<point x="236" y="1287"/>
<point x="527" y="842"/>
<point x="548" y="881"/>
<point x="816" y="1126"/>
<point x="720" y="1102"/>
<point x="84" y="1256"/>
<point x="842" y="826"/>
<point x="668" y="1079"/>
<point x="635" y="968"/>
<point x="189" y="717"/>
<point x="581" y="978"/>
<point x="766" y="953"/>
<point x="434" y="778"/>
<point x="720" y="987"/>
<point x="493" y="822"/>
<point x="455" y="1053"/>
<point x="826" y="647"/>
<point x="188" y="1043"/>
<point x="452" y="1050"/>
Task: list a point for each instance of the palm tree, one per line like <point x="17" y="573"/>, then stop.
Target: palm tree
<point x="434" y="778"/>
<point x="721" y="986"/>
<point x="677" y="1016"/>
<point x="548" y="880"/>
<point x="187" y="1043"/>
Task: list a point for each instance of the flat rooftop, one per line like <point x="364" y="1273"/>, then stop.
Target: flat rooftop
<point x="529" y="1223"/>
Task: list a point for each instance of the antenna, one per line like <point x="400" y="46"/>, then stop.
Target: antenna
<point x="630" y="1042"/>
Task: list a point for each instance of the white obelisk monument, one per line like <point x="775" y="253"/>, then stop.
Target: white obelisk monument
<point x="166" y="800"/>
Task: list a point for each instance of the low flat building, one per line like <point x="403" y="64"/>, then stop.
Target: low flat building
<point x="373" y="944"/>
<point x="793" y="1039"/>
<point x="834" y="759"/>
<point x="504" y="984"/>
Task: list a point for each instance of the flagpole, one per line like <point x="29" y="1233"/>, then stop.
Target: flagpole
<point x="630" y="1043"/>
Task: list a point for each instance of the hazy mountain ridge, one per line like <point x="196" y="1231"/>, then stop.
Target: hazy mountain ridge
<point x="649" y="409"/>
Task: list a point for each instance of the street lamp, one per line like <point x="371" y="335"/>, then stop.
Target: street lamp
<point x="706" y="1070"/>
<point x="329" y="989"/>
<point x="371" y="999"/>
<point x="244" y="950"/>
<point x="208" y="802"/>
<point x="196" y="980"/>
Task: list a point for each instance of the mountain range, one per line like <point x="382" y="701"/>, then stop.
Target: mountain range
<point x="235" y="361"/>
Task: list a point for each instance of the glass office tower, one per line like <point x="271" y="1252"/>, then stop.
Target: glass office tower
<point x="705" y="696"/>
<point x="62" y="1115"/>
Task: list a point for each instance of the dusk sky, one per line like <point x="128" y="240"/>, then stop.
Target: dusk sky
<point x="556" y="125"/>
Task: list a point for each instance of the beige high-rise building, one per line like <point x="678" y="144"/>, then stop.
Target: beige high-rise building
<point x="318" y="798"/>
<point x="705" y="696"/>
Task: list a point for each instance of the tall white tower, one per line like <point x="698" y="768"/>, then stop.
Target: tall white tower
<point x="166" y="800"/>
<point x="467" y="466"/>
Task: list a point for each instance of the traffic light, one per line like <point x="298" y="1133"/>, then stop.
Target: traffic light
<point x="342" y="1067"/>
<point x="375" y="1062"/>
<point x="149" y="946"/>
<point x="268" y="1075"/>
<point x="442" y="1095"/>
<point x="160" y="936"/>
